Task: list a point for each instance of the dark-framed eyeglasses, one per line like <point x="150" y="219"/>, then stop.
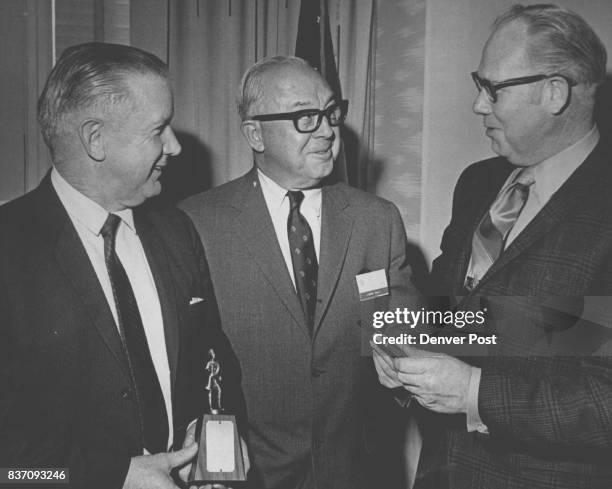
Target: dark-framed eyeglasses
<point x="491" y="88"/>
<point x="309" y="120"/>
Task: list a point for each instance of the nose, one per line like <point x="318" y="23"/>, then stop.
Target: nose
<point x="171" y="146"/>
<point x="324" y="130"/>
<point x="482" y="104"/>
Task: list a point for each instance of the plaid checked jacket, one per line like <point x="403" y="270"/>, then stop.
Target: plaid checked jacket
<point x="546" y="388"/>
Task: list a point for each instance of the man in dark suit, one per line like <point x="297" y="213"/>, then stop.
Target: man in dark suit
<point x="106" y="310"/>
<point x="286" y="251"/>
<point x="530" y="247"/>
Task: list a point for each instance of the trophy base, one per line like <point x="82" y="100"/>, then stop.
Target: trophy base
<point x="220" y="451"/>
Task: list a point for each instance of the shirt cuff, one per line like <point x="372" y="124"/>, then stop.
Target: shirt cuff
<point x="474" y="423"/>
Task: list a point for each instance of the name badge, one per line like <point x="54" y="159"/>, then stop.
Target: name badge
<point x="372" y="284"/>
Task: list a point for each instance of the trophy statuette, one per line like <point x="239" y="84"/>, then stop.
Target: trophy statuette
<point x="219" y="456"/>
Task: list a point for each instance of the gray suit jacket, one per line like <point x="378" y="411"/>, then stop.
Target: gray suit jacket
<point x="303" y="394"/>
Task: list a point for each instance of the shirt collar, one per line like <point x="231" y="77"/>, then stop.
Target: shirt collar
<point x="275" y="195"/>
<point x="81" y="208"/>
<point x="552" y="172"/>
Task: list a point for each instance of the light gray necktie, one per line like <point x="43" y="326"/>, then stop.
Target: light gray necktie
<point x="490" y="235"/>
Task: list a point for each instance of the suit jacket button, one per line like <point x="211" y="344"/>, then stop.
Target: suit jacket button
<point x="125" y="394"/>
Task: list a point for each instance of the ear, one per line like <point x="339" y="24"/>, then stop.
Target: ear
<point x="252" y="133"/>
<point x="90" y="134"/>
<point x="558" y="95"/>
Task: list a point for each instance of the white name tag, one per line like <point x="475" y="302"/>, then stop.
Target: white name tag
<point x="372" y="284"/>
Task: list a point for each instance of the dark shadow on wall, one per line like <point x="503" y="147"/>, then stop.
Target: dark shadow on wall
<point x="603" y="109"/>
<point x="355" y="168"/>
<point x="362" y="170"/>
<point x="186" y="174"/>
<point x="418" y="265"/>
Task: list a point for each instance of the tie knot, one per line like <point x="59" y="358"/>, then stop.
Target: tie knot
<point x="295" y="198"/>
<point x="524" y="177"/>
<point x="109" y="228"/>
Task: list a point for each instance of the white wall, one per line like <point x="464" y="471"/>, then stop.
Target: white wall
<point x="452" y="135"/>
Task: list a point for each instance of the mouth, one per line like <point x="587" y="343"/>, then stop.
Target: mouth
<point x="325" y="152"/>
<point x="157" y="170"/>
<point x="159" y="166"/>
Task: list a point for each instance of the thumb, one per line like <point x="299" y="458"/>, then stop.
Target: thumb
<point x="184" y="455"/>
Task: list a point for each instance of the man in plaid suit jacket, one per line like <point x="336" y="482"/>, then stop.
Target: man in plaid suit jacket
<point x="537" y="410"/>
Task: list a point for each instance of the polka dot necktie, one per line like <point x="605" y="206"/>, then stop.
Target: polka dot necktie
<point x="149" y="397"/>
<point x="305" y="266"/>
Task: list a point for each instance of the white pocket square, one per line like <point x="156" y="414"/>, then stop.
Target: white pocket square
<point x="195" y="300"/>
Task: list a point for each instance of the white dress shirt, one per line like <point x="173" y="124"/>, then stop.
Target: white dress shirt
<point x="278" y="207"/>
<point x="549" y="176"/>
<point x="88" y="218"/>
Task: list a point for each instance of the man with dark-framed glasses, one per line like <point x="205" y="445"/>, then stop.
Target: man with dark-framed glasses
<point x="285" y="247"/>
<point x="530" y="247"/>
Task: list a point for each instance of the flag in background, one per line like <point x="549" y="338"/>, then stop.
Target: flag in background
<point x="314" y="41"/>
<point x="314" y="44"/>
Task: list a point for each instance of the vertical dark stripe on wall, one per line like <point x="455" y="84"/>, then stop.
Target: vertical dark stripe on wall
<point x="25" y="157"/>
<point x="256" y="28"/>
<point x="98" y="20"/>
<point x="197" y="2"/>
<point x="322" y="24"/>
<point x="364" y="166"/>
<point x="230" y="8"/>
<point x="277" y="22"/>
<point x="338" y="47"/>
<point x="168" y="24"/>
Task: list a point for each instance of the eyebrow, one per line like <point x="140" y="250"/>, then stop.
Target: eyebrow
<point x="332" y="98"/>
<point x="302" y="104"/>
<point x="163" y="122"/>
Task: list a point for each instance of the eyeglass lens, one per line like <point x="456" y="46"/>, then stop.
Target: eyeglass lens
<point x="312" y="120"/>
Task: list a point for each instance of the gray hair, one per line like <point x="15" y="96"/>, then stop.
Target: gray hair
<point x="250" y="89"/>
<point x="560" y="42"/>
<point x="90" y="76"/>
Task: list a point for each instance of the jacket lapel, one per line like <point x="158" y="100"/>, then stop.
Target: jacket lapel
<point x="158" y="262"/>
<point x="489" y="191"/>
<point x="572" y="195"/>
<point x="256" y="231"/>
<point x="336" y="228"/>
<point x="76" y="266"/>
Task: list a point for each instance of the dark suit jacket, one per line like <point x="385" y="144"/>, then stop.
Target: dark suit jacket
<point x="303" y="395"/>
<point x="546" y="389"/>
<point x="65" y="395"/>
